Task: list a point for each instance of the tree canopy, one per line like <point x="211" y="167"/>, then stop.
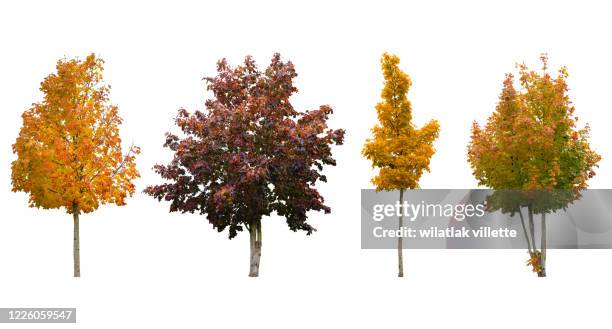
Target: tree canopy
<point x="68" y="149"/>
<point x="400" y="150"/>
<point x="250" y="153"/>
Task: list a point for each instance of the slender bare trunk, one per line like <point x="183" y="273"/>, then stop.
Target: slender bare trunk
<point x="400" y="247"/>
<point x="542" y="272"/>
<point x="255" y="244"/>
<point x="525" y="231"/>
<point x="76" y="250"/>
<point x="531" y="227"/>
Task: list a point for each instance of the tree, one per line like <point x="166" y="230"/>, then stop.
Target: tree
<point x="69" y="150"/>
<point x="532" y="153"/>
<point x="249" y="154"/>
<point x="400" y="150"/>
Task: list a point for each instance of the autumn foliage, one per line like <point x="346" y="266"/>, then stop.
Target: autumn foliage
<point x="399" y="150"/>
<point x="249" y="154"/>
<point x="532" y="151"/>
<point x="68" y="149"/>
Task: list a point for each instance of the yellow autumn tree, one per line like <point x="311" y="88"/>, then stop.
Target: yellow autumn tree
<point x="398" y="149"/>
<point x="68" y="149"/>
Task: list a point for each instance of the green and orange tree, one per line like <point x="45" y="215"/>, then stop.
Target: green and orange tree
<point x="68" y="149"/>
<point x="400" y="150"/>
<point x="532" y="152"/>
<point x="249" y="154"/>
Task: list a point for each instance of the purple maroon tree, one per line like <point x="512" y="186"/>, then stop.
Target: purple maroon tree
<point x="249" y="154"/>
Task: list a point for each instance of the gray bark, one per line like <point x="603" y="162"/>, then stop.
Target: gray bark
<point x="542" y="273"/>
<point x="76" y="250"/>
<point x="255" y="246"/>
<point x="400" y="247"/>
<point x="532" y="227"/>
<point x="525" y="231"/>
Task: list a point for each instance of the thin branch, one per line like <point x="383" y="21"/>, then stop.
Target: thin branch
<point x="58" y="162"/>
<point x="121" y="165"/>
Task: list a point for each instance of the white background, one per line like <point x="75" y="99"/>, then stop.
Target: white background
<point x="145" y="268"/>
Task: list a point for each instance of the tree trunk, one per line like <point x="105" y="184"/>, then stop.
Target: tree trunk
<point x="400" y="247"/>
<point x="542" y="272"/>
<point x="76" y="250"/>
<point x="255" y="244"/>
<point x="525" y="231"/>
<point x="532" y="227"/>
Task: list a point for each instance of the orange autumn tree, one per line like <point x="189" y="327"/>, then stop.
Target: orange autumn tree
<point x="68" y="149"/>
<point x="398" y="149"/>
<point x="532" y="152"/>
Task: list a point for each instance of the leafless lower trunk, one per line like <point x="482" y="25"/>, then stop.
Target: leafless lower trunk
<point x="531" y="227"/>
<point x="525" y="231"/>
<point x="76" y="250"/>
<point x="538" y="256"/>
<point x="542" y="272"/>
<point x="255" y="245"/>
<point x="400" y="247"/>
